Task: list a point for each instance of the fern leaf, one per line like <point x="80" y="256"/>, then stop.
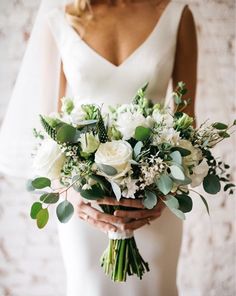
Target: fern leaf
<point x="48" y="129"/>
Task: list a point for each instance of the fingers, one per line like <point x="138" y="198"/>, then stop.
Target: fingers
<point x="128" y="202"/>
<point x="97" y="215"/>
<point x="138" y="223"/>
<point x="103" y="226"/>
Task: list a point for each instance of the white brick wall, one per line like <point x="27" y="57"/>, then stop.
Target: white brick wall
<point x="30" y="260"/>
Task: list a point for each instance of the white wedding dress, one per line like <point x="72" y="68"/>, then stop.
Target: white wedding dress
<point x="94" y="79"/>
<point x="90" y="77"/>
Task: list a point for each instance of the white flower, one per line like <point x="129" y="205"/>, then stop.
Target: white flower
<point x="130" y="187"/>
<point x="89" y="142"/>
<point x="49" y="159"/>
<point x="116" y="154"/>
<point x="194" y="157"/>
<point x="199" y="173"/>
<point x="77" y="115"/>
<point x="128" y="121"/>
<point x="163" y="118"/>
<point x="166" y="135"/>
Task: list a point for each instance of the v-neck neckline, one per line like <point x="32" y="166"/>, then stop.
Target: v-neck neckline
<point x="132" y="54"/>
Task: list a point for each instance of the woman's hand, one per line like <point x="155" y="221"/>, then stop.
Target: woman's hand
<point x="127" y="220"/>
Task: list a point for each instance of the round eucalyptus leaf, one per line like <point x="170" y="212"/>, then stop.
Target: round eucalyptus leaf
<point x="42" y="218"/>
<point x="64" y="211"/>
<point x="50" y="198"/>
<point x="220" y="126"/>
<point x="171" y="202"/>
<point x="94" y="193"/>
<point x="137" y="148"/>
<point x="164" y="184"/>
<point x="142" y="133"/>
<point x="66" y="133"/>
<point x="107" y="169"/>
<point x="116" y="189"/>
<point x="185" y="203"/>
<point x="35" y="208"/>
<point x="150" y="199"/>
<point x="211" y="184"/>
<point x="41" y="182"/>
<point x="176" y="157"/>
<point x="177" y="173"/>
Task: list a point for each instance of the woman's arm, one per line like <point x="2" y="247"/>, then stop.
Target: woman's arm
<point x="185" y="67"/>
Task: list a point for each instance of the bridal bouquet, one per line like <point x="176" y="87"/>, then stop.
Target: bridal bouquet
<point x="139" y="150"/>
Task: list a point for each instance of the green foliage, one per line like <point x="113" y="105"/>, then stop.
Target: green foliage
<point x="49" y="198"/>
<point x="35" y="208"/>
<point x="142" y="133"/>
<point x="150" y="199"/>
<point x="41" y="182"/>
<point x="94" y="193"/>
<point x="51" y="131"/>
<point x="182" y="151"/>
<point x="185" y="202"/>
<point x="164" y="184"/>
<point x="176" y="157"/>
<point x="137" y="148"/>
<point x="107" y="169"/>
<point x="66" y="134"/>
<point x="42" y="218"/>
<point x="116" y="189"/>
<point x="64" y="211"/>
<point x="211" y="184"/>
<point x="220" y="125"/>
<point x="177" y="172"/>
<point x="205" y="203"/>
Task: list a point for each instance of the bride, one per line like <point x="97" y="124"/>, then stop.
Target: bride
<point x="102" y="52"/>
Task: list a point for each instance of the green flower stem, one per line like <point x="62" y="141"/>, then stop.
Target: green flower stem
<point x="120" y="276"/>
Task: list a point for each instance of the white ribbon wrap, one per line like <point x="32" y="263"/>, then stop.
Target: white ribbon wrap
<point x="120" y="234"/>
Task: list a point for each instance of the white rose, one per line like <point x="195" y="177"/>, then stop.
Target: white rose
<point x="199" y="173"/>
<point x="49" y="160"/>
<point x="194" y="157"/>
<point x="127" y="123"/>
<point x="116" y="154"/>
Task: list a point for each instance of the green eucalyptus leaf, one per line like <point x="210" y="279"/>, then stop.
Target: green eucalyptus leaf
<point x="171" y="202"/>
<point x="185" y="203"/>
<point x="66" y="133"/>
<point x="41" y="182"/>
<point x="211" y="184"/>
<point x="137" y="148"/>
<point x="50" y="198"/>
<point x="42" y="218"/>
<point x="178" y="213"/>
<point x="220" y="125"/>
<point x="142" y="133"/>
<point x="107" y="169"/>
<point x="182" y="151"/>
<point x="35" y="208"/>
<point x="64" y="211"/>
<point x="176" y="157"/>
<point x="150" y="199"/>
<point x="94" y="193"/>
<point x="164" y="184"/>
<point x="177" y="172"/>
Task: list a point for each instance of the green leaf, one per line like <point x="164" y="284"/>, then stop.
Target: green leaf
<point x="41" y="182"/>
<point x="66" y="133"/>
<point x="223" y="134"/>
<point x="211" y="184"/>
<point x="150" y="199"/>
<point x="220" y="125"/>
<point x="234" y="123"/>
<point x="137" y="148"/>
<point x="176" y="157"/>
<point x="178" y="213"/>
<point x="165" y="184"/>
<point x="42" y="218"/>
<point x="94" y="193"/>
<point x="186" y="181"/>
<point x="182" y="151"/>
<point x="29" y="186"/>
<point x="107" y="169"/>
<point x="35" y="208"/>
<point x="171" y="202"/>
<point x="49" y="198"/>
<point x="142" y="133"/>
<point x="185" y="203"/>
<point x="205" y="203"/>
<point x="227" y="186"/>
<point x="177" y="173"/>
<point x="64" y="211"/>
<point x="116" y="190"/>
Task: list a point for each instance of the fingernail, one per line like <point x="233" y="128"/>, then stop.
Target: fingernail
<point x="115" y="213"/>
